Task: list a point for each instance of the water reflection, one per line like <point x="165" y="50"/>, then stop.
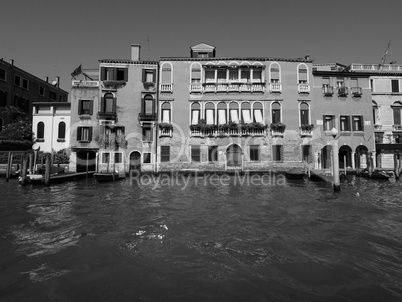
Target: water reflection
<point x="122" y="241"/>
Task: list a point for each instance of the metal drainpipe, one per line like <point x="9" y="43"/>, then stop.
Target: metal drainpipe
<point x="157" y="119"/>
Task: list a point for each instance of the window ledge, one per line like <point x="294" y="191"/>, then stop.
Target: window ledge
<point x="358" y="133"/>
<point x="40" y="140"/>
<point x="61" y="140"/>
<point x="345" y="133"/>
<point x="85" y="116"/>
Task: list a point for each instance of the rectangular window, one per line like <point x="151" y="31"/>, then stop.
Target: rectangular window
<point x="277" y="153"/>
<point x="146" y="157"/>
<point x="221" y="116"/>
<point x="195" y="153"/>
<point x="304" y="117"/>
<point x="397" y="115"/>
<point x="166" y="116"/>
<point x="85" y="107"/>
<point x="274" y="74"/>
<point x="41" y="90"/>
<point x="196" y="75"/>
<point x="105" y="158"/>
<point x="209" y="75"/>
<point x="244" y="75"/>
<point x="2" y="74"/>
<point x="165" y="153"/>
<point x="120" y="74"/>
<point x="233" y="75"/>
<point x="395" y="85"/>
<point x="258" y="116"/>
<point x="84" y="134"/>
<point x="221" y="75"/>
<point x="17" y="80"/>
<point x="52" y="95"/>
<point x="114" y="74"/>
<point x="254" y="153"/>
<point x="213" y="153"/>
<point x="195" y="116"/>
<point x="25" y="84"/>
<point x="246" y="115"/>
<point x="329" y="122"/>
<point x="257" y="75"/>
<point x="234" y="116"/>
<point x="148" y="76"/>
<point x="276" y="116"/>
<point x="118" y="157"/>
<point x="344" y="121"/>
<point x="146" y="133"/>
<point x="302" y="75"/>
<point x="210" y="116"/>
<point x="358" y="123"/>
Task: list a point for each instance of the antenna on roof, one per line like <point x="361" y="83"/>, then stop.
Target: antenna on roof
<point x="384" y="56"/>
<point x="148" y="47"/>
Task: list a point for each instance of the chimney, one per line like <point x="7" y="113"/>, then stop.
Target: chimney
<point x="135" y="52"/>
<point x="58" y="82"/>
<point x="12" y="62"/>
<point x="47" y="79"/>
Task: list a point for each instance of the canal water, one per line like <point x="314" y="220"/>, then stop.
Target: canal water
<point x="215" y="238"/>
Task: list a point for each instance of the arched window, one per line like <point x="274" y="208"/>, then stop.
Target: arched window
<point x="148" y="105"/>
<point x="40" y="133"/>
<point x="108" y="104"/>
<point x="166" y="77"/>
<point x="195" y="113"/>
<point x="62" y="130"/>
<point x="210" y="113"/>
<point x="304" y="114"/>
<point x="234" y="112"/>
<point x="222" y="113"/>
<point x="276" y="113"/>
<point x="258" y="113"/>
<point x="196" y="73"/>
<point x="302" y="73"/>
<point x="397" y="107"/>
<point x="274" y="73"/>
<point x="246" y="112"/>
<point x="166" y="112"/>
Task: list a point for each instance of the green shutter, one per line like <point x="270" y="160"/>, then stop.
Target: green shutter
<point x="90" y="134"/>
<point x="125" y="74"/>
<point x="103" y="74"/>
<point x="78" y="133"/>
<point x="143" y="76"/>
<point x="91" y="109"/>
<point x="79" y="107"/>
<point x="154" y="75"/>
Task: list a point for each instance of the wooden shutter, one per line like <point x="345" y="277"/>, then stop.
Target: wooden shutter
<point x="144" y="75"/>
<point x="79" y="107"/>
<point x="79" y="133"/>
<point x="125" y="74"/>
<point x="91" y="105"/>
<point x="154" y="75"/>
<point x="103" y="74"/>
<point x="89" y="134"/>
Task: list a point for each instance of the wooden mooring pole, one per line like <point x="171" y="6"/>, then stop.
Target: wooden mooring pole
<point x="396" y="165"/>
<point x="24" y="169"/>
<point x="48" y="159"/>
<point x="9" y="166"/>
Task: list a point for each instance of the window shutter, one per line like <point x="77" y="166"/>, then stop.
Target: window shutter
<point x="79" y="107"/>
<point x="154" y="75"/>
<point x="143" y="76"/>
<point x="91" y="105"/>
<point x="114" y="105"/>
<point x="125" y="74"/>
<point x="79" y="133"/>
<point x="103" y="74"/>
<point x="102" y="107"/>
<point x="90" y="134"/>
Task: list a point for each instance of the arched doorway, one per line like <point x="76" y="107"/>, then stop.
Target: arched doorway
<point x="234" y="156"/>
<point x="86" y="159"/>
<point x="361" y="157"/>
<point x="135" y="161"/>
<point x="326" y="157"/>
<point x="345" y="157"/>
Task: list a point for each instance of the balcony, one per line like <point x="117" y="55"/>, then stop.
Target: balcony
<point x="342" y="91"/>
<point x="145" y="117"/>
<point x="85" y="84"/>
<point x="303" y="88"/>
<point x="225" y="87"/>
<point x="356" y="92"/>
<point x="377" y="127"/>
<point x="165" y="129"/>
<point x="166" y="88"/>
<point x="275" y="87"/>
<point x="110" y="116"/>
<point x="327" y="90"/>
<point x="252" y="129"/>
<point x="277" y="129"/>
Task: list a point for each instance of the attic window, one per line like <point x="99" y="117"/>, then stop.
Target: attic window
<point x="203" y="55"/>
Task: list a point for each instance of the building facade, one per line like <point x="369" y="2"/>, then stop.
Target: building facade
<point x="222" y="114"/>
<point x="342" y="100"/>
<point x="21" y="89"/>
<point x="51" y="124"/>
<point x="386" y="93"/>
<point x="114" y="116"/>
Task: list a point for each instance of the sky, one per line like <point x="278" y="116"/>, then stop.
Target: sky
<point x="50" y="38"/>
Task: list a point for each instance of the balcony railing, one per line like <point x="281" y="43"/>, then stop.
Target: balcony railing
<point x="356" y="91"/>
<point x="146" y="117"/>
<point x="275" y="87"/>
<point x="166" y="87"/>
<point x="304" y="133"/>
<point x="165" y="132"/>
<point x="303" y="88"/>
<point x="327" y="90"/>
<point x="376" y="67"/>
<point x="106" y="115"/>
<point x="78" y="83"/>
<point x="229" y="132"/>
<point x="221" y="87"/>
